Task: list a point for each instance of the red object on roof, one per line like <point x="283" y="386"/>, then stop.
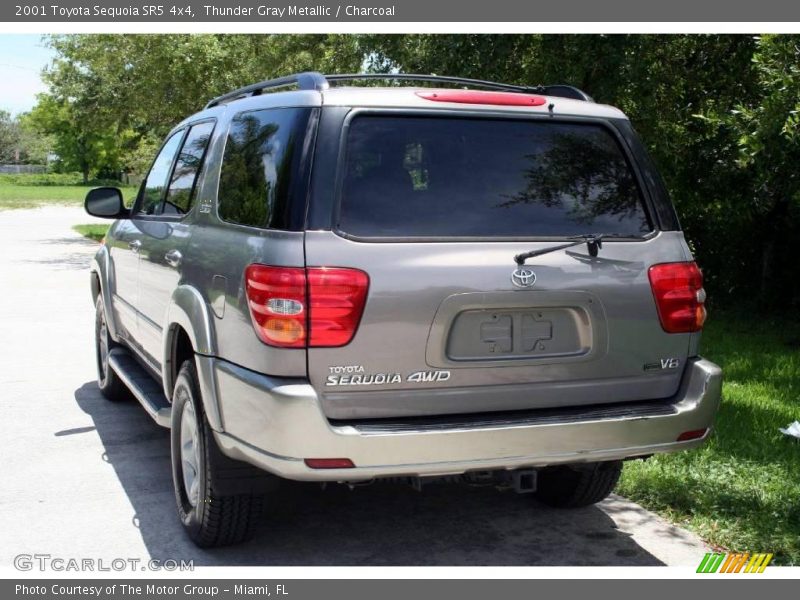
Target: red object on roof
<point x="480" y="97"/>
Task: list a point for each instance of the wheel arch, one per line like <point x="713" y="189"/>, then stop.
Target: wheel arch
<point x="189" y="332"/>
<point x="101" y="281"/>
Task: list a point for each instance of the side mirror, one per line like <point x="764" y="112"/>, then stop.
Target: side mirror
<point x="106" y="203"/>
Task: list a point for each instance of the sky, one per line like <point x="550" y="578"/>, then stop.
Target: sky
<point x="22" y="57"/>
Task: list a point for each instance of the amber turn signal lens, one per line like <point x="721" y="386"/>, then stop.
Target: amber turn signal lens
<point x="283" y="331"/>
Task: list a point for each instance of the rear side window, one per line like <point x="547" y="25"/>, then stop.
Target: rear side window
<point x="187" y="166"/>
<point x="456" y="177"/>
<point x="261" y="167"/>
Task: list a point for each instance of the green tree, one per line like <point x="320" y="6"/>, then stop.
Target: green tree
<point x="767" y="128"/>
<point x="36" y="146"/>
<point x="80" y="143"/>
<point x="122" y="92"/>
<point x="150" y="82"/>
<point x="20" y="142"/>
<point x="9" y="138"/>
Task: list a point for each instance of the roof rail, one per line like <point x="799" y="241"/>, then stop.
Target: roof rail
<point x="311" y="80"/>
<point x="563" y="91"/>
<point x="428" y="78"/>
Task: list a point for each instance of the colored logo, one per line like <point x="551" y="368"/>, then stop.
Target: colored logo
<point x="718" y="562"/>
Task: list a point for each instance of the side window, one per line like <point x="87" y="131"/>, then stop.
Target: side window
<point x="190" y="159"/>
<point x="260" y="166"/>
<point x="153" y="188"/>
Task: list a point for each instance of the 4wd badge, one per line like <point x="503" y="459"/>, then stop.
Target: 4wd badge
<point x="356" y="375"/>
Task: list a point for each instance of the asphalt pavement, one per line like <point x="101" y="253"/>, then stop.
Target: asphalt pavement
<point x="86" y="478"/>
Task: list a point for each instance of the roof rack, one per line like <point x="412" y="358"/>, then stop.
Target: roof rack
<point x="312" y="80"/>
<point x="305" y="81"/>
<point x="563" y="91"/>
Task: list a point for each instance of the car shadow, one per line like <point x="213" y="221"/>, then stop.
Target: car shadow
<point x="378" y="524"/>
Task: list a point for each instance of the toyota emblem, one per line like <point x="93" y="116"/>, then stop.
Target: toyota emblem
<point x="523" y="278"/>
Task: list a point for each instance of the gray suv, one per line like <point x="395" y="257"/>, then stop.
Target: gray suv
<point x="440" y="278"/>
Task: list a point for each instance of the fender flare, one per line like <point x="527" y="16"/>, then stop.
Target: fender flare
<point x="189" y="311"/>
<point x="101" y="268"/>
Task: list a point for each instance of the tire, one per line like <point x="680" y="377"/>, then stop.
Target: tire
<point x="580" y="485"/>
<point x="220" y="501"/>
<point x="110" y="384"/>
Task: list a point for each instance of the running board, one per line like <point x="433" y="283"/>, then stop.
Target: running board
<point x="144" y="388"/>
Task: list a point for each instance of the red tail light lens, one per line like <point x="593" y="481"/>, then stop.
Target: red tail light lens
<point x="680" y="297"/>
<point x="277" y="299"/>
<point x="694" y="434"/>
<point x="329" y="463"/>
<point x="337" y="298"/>
<point x="294" y="308"/>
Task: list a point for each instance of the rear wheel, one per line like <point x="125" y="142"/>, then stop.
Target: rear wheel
<point x="573" y="486"/>
<point x="110" y="384"/>
<point x="220" y="501"/>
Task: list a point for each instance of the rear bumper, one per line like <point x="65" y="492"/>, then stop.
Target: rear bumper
<point x="276" y="423"/>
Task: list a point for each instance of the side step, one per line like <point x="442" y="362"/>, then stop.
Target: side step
<point x="149" y="393"/>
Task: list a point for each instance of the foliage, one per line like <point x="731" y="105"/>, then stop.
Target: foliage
<point x="9" y="137"/>
<point x="767" y="128"/>
<point x="20" y="143"/>
<point x="80" y="142"/>
<point x="39" y="179"/>
<point x="740" y="490"/>
<point x="137" y="87"/>
<point x="138" y="159"/>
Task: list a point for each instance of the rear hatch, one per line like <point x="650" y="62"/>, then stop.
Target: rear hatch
<point x="434" y="208"/>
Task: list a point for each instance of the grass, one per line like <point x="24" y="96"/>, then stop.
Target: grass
<point x="92" y="231"/>
<point x="741" y="491"/>
<point x="18" y="196"/>
<point x="31" y="191"/>
<point x="39" y="179"/>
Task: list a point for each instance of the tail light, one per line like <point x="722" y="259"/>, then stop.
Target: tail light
<point x="297" y="308"/>
<point x="277" y="299"/>
<point x="680" y="297"/>
<point x="336" y="301"/>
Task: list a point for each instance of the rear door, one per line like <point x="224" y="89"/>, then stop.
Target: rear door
<point x="434" y="209"/>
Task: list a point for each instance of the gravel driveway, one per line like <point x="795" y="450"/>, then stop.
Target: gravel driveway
<point x="85" y="478"/>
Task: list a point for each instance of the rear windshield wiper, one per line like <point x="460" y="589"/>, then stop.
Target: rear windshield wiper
<point x="593" y="241"/>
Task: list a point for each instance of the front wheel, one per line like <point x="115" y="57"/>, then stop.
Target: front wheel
<point x="110" y="384"/>
<point x="573" y="486"/>
<point x="220" y="501"/>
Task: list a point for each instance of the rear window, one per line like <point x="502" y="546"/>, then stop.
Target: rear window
<point x="456" y="177"/>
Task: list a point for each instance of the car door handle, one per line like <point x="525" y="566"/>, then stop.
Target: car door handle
<point x="173" y="258"/>
<point x="135" y="245"/>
